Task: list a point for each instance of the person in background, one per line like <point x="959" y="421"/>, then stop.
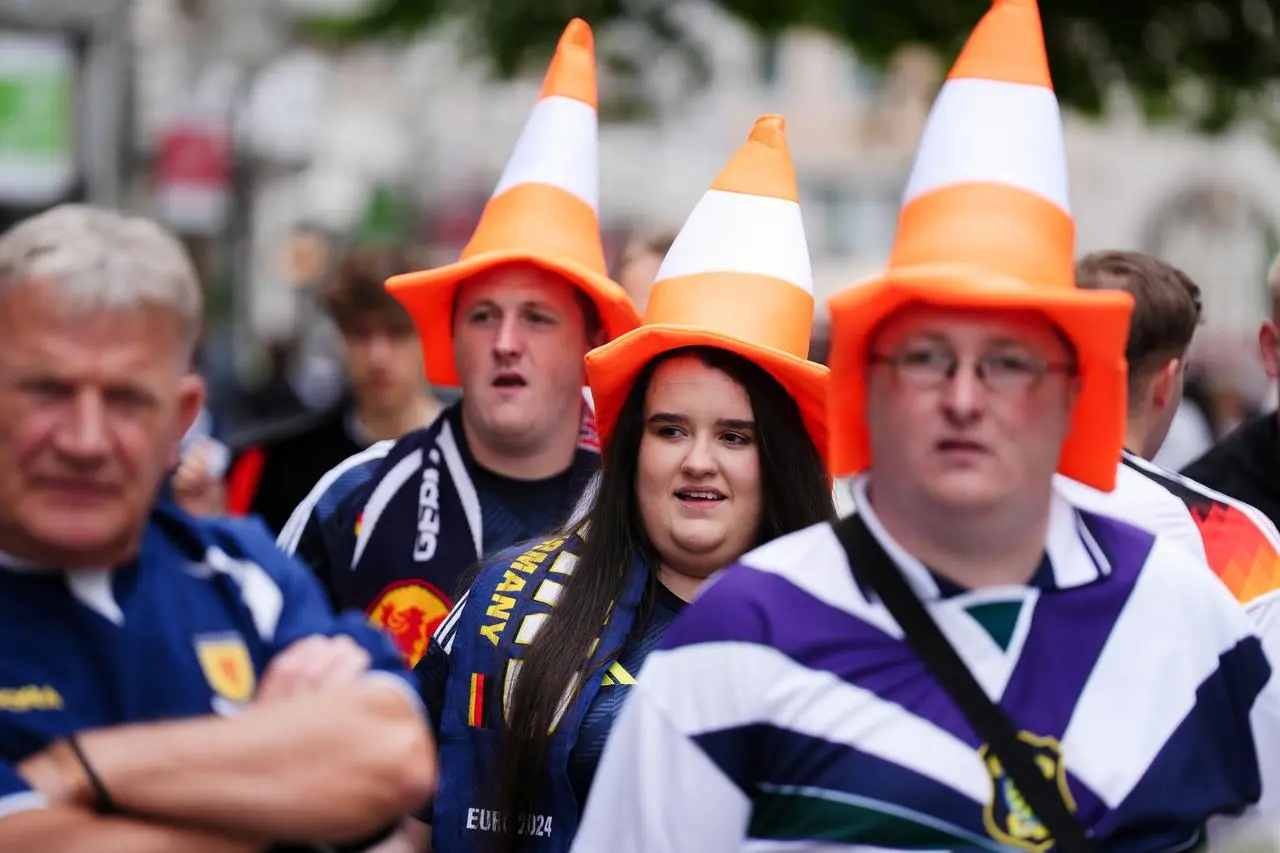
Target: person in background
<point x="197" y="483"/>
<point x="1236" y="541"/>
<point x="711" y="419"/>
<point x="1246" y="463"/>
<point x="637" y="265"/>
<point x="167" y="683"/>
<point x="792" y="705"/>
<point x="394" y="528"/>
<point x="273" y="471"/>
<point x="277" y="395"/>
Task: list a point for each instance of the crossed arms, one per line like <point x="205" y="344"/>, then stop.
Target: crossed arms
<point x="327" y="753"/>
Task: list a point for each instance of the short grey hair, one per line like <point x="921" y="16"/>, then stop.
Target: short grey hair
<point x="102" y="259"/>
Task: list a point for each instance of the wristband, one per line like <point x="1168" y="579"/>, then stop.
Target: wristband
<point x="102" y="802"/>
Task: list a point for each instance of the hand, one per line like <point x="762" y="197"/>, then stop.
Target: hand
<point x="311" y="665"/>
<point x="56" y="773"/>
<point x="196" y="486"/>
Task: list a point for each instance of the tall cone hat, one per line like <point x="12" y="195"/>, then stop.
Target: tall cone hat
<point x="737" y="278"/>
<point x="986" y="224"/>
<point x="544" y="212"/>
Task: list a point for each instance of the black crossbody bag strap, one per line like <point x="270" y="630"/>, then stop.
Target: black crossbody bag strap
<point x="871" y="565"/>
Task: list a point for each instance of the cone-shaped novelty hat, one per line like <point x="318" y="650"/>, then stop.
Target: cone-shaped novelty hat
<point x="986" y="223"/>
<point x="736" y="278"/>
<point x="543" y="211"/>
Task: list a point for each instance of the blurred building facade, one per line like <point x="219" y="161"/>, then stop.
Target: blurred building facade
<point x="64" y="103"/>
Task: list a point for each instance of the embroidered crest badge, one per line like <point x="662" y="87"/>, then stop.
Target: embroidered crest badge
<point x="1008" y="818"/>
<point x="227" y="666"/>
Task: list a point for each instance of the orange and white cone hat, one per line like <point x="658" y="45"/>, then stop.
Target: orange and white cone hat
<point x="737" y="277"/>
<point x="544" y="211"/>
<point x="986" y="223"/>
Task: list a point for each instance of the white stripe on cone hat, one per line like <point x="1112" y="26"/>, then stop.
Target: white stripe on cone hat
<point x="986" y="223"/>
<point x="737" y="277"/>
<point x="544" y="211"/>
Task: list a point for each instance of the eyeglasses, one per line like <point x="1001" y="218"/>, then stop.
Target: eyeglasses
<point x="1011" y="373"/>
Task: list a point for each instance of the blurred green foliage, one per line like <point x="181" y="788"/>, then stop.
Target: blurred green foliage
<point x="1209" y="62"/>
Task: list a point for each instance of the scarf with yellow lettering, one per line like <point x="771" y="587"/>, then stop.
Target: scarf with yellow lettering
<point x="515" y="592"/>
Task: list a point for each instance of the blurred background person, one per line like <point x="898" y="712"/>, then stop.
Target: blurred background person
<point x="1236" y="541"/>
<point x="1246" y="462"/>
<point x="637" y="264"/>
<point x="275" y="469"/>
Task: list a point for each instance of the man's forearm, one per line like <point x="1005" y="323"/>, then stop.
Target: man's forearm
<point x="71" y="830"/>
<point x="332" y="766"/>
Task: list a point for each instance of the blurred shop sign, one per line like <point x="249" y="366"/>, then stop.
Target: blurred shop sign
<point x="38" y="156"/>
<point x="193" y="175"/>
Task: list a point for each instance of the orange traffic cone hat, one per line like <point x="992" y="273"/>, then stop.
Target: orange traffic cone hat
<point x="986" y="223"/>
<point x="737" y="277"/>
<point x="544" y="211"/>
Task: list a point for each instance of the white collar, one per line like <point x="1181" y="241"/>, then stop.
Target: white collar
<point x="1075" y="557"/>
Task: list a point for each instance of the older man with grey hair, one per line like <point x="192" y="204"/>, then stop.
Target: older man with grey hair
<point x="166" y="683"/>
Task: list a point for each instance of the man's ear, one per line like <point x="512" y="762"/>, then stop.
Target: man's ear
<point x="1164" y="385"/>
<point x="191" y="397"/>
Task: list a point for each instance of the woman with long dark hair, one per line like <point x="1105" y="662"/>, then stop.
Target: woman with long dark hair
<point x="711" y="420"/>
